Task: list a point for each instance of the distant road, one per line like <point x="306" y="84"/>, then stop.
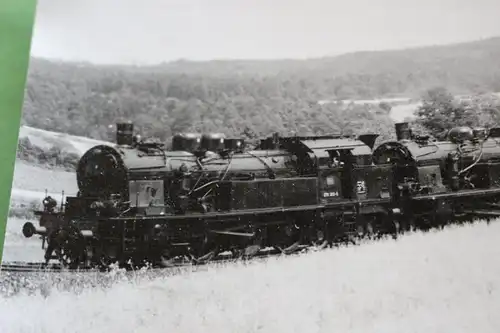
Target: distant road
<point x="400" y="112"/>
<point x="402" y="107"/>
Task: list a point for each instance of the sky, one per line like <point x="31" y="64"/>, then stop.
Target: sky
<point x="153" y="31"/>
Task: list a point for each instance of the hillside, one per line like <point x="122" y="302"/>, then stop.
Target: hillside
<point x="47" y="139"/>
<point x="263" y="96"/>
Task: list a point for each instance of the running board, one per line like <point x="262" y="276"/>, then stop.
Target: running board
<point x="482" y="212"/>
<point x="233" y="233"/>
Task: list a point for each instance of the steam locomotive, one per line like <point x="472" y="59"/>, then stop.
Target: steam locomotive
<point x="140" y="202"/>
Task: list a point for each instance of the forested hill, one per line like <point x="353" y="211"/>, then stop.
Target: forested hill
<point x="262" y="96"/>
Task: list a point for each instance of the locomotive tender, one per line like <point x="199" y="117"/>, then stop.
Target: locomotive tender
<point x="140" y="202"/>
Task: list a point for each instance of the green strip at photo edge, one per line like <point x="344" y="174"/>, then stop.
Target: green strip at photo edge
<point x="16" y="26"/>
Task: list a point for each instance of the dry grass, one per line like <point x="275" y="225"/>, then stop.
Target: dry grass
<point x="447" y="281"/>
<point x="16" y="246"/>
<point x="32" y="178"/>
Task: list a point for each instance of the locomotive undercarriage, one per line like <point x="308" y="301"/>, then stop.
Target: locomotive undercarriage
<point x="164" y="241"/>
<point x="168" y="240"/>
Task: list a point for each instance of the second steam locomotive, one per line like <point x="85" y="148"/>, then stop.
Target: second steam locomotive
<point x="139" y="202"/>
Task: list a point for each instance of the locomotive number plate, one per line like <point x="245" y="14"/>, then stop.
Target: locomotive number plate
<point x="330" y="194"/>
<point x="361" y="186"/>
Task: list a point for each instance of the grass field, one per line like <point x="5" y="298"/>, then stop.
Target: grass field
<point x="30" y="183"/>
<point x="19" y="248"/>
<point x="446" y="281"/>
<point x="32" y="178"/>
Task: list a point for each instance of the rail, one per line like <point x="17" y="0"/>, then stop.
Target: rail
<point x="40" y="267"/>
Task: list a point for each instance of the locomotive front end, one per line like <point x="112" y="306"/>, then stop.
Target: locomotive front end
<point x="69" y="228"/>
<point x="72" y="230"/>
<point x="101" y="172"/>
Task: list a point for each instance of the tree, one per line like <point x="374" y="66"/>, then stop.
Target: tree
<point x="440" y="111"/>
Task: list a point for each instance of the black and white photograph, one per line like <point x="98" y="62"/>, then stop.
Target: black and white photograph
<point x="257" y="166"/>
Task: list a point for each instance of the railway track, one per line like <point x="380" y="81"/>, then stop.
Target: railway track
<point x="40" y="267"/>
<point x="29" y="267"/>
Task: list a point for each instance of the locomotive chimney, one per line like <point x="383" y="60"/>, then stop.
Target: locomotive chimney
<point x="368" y="139"/>
<point x="403" y="131"/>
<point x="124" y="133"/>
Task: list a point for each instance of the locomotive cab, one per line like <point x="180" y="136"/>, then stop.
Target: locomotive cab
<point x="339" y="164"/>
<point x="336" y="179"/>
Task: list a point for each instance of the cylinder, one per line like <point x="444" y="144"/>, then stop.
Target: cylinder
<point x="403" y="131"/>
<point x="124" y="134"/>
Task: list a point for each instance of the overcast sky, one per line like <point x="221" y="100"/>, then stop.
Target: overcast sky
<point x="153" y="31"/>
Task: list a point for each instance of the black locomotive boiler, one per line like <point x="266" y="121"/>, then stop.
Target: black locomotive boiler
<point x="139" y="202"/>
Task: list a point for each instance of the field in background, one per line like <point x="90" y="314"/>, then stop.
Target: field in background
<point x="446" y="281"/>
<point x="69" y="143"/>
<point x="33" y="178"/>
<point x="30" y="183"/>
<point x="19" y="248"/>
